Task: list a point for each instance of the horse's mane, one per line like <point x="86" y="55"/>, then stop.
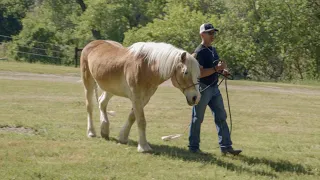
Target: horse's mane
<point x="166" y="56"/>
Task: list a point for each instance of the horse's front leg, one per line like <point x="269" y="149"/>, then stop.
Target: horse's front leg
<point x="143" y="145"/>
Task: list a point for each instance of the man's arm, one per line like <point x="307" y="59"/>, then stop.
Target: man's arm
<point x="208" y="71"/>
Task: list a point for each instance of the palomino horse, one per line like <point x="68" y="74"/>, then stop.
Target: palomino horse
<point x="135" y="73"/>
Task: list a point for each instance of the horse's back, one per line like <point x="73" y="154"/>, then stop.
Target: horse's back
<point x="106" y="61"/>
<point x="105" y="56"/>
<point x="105" y="50"/>
<point x="106" y="46"/>
<point x="85" y="52"/>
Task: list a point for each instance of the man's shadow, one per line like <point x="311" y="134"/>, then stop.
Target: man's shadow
<point x="278" y="166"/>
<point x="207" y="158"/>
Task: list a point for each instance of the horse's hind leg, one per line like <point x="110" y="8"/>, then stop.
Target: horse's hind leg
<point x="103" y="103"/>
<point x="89" y="85"/>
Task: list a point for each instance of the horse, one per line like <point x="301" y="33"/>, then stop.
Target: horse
<point x="134" y="72"/>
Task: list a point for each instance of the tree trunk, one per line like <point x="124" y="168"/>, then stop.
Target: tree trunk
<point x="297" y="64"/>
<point x="317" y="57"/>
<point x="95" y="33"/>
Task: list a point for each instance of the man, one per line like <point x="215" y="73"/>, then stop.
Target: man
<point x="211" y="65"/>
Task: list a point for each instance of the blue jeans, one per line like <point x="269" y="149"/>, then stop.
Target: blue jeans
<point x="212" y="97"/>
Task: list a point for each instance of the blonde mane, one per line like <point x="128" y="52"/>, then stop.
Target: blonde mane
<point x="166" y="56"/>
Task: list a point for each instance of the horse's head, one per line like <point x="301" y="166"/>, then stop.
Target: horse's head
<point x="185" y="77"/>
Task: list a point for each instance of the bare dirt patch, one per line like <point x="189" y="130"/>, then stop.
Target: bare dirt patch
<point x="275" y="89"/>
<point x="19" y="130"/>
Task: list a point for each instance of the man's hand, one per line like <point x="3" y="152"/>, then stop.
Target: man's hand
<point x="225" y="72"/>
<point x="221" y="66"/>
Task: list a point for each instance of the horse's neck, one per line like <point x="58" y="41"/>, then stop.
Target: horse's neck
<point x="169" y="76"/>
<point x="160" y="79"/>
<point x="164" y="79"/>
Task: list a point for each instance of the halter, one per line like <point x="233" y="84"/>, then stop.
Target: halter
<point x="183" y="89"/>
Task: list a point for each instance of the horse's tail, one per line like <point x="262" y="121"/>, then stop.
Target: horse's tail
<point x="86" y="75"/>
<point x="90" y="85"/>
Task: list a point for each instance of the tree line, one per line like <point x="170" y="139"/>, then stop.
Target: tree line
<point x="269" y="39"/>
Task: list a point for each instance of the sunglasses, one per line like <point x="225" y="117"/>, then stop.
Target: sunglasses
<point x="212" y="32"/>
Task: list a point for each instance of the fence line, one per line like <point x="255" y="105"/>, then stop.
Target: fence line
<point x="40" y="49"/>
<point x="40" y="42"/>
<point x="36" y="54"/>
<point x="75" y="49"/>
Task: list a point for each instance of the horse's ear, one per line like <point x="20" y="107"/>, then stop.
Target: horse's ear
<point x="194" y="55"/>
<point x="184" y="57"/>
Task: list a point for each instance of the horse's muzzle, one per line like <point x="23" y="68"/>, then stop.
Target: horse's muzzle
<point x="193" y="101"/>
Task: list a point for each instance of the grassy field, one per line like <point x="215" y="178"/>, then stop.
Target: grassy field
<point x="38" y="68"/>
<point x="43" y="133"/>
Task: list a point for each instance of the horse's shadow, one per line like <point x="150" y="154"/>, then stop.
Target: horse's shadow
<point x="207" y="158"/>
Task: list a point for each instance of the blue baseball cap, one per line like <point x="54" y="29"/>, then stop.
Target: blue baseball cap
<point x="206" y="27"/>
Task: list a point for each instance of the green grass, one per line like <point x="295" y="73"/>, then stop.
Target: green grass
<point x="38" y="68"/>
<point x="278" y="132"/>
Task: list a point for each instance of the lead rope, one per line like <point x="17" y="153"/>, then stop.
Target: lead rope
<point x="228" y="106"/>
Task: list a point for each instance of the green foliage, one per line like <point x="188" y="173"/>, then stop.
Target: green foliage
<point x="207" y="7"/>
<point x="105" y="18"/>
<point x="64" y="23"/>
<point x="179" y="26"/>
<point x="46" y="39"/>
<point x="172" y="29"/>
<point x="272" y="40"/>
<point x="11" y="13"/>
<point x="112" y="18"/>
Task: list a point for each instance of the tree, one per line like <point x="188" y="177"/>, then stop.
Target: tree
<point x="180" y="27"/>
<point x="75" y="23"/>
<point x="114" y="17"/>
<point x="54" y="28"/>
<point x="273" y="40"/>
<point x="11" y="13"/>
<point x="96" y="34"/>
<point x="270" y="38"/>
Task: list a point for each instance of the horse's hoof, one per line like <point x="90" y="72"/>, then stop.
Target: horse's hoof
<point x="91" y="135"/>
<point x="123" y="141"/>
<point x="145" y="148"/>
<point x="105" y="136"/>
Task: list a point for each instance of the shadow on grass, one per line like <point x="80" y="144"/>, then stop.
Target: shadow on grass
<point x="207" y="158"/>
<point x="278" y="166"/>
